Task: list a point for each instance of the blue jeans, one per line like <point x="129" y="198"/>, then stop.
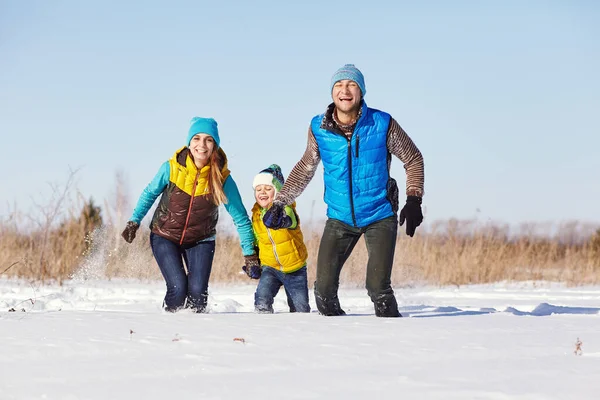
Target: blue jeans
<point x="295" y="285"/>
<point x="181" y="286"/>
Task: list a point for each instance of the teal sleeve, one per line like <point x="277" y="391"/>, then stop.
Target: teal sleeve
<point x="289" y="211"/>
<point x="238" y="213"/>
<point x="151" y="193"/>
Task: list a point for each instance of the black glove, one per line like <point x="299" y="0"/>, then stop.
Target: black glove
<point x="129" y="231"/>
<point x="252" y="266"/>
<point x="411" y="212"/>
<point x="275" y="217"/>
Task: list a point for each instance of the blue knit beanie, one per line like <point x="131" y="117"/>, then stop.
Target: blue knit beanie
<point x="349" y="71"/>
<point x="203" y="125"/>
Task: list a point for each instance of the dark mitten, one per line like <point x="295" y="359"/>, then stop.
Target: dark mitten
<point x="129" y="231"/>
<point x="411" y="212"/>
<point x="274" y="217"/>
<point x="286" y="222"/>
<point x="252" y="266"/>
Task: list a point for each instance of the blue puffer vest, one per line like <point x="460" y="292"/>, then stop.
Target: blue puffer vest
<point x="356" y="171"/>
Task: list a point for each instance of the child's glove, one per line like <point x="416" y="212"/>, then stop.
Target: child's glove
<point x="252" y="266"/>
<point x="276" y="218"/>
<point x="286" y="222"/>
<point x="129" y="231"/>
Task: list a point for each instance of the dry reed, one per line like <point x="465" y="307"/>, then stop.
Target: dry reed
<point x="448" y="256"/>
<point x="60" y="243"/>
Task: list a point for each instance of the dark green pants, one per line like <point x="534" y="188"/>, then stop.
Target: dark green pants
<point x="337" y="243"/>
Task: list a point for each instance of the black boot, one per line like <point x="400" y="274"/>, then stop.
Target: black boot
<point x="328" y="307"/>
<point x="169" y="308"/>
<point x="263" y="309"/>
<point x="386" y="306"/>
<point x="197" y="305"/>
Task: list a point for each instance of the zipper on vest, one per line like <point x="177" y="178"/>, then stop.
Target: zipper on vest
<point x="187" y="218"/>
<point x="350" y="180"/>
<point x="357" y="137"/>
<point x="274" y="249"/>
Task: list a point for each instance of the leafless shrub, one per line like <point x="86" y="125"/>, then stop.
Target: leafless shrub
<point x="78" y="240"/>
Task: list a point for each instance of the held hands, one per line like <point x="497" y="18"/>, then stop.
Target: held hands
<point x="411" y="212"/>
<point x="129" y="231"/>
<point x="274" y="218"/>
<point x="252" y="266"/>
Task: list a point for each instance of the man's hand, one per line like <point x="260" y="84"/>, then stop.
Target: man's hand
<point x="411" y="212"/>
<point x="129" y="231"/>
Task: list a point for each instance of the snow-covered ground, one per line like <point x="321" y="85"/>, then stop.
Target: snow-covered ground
<point x="110" y="340"/>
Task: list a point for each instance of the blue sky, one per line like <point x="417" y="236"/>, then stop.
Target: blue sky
<point x="502" y="98"/>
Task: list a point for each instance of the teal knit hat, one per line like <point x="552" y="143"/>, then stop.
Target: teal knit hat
<point x="349" y="71"/>
<point x="203" y="125"/>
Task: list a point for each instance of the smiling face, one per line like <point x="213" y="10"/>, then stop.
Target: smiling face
<point x="202" y="147"/>
<point x="346" y="96"/>
<point x="264" y="195"/>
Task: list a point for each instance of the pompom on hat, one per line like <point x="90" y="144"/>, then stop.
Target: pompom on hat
<point x="271" y="175"/>
<point x="203" y="125"/>
<point x="349" y="71"/>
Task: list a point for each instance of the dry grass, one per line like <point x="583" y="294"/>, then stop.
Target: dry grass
<point x="75" y="239"/>
<point x="464" y="252"/>
<point x="452" y="252"/>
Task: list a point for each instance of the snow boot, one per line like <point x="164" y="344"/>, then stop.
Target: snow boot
<point x="386" y="306"/>
<point x="328" y="307"/>
<point x="197" y="305"/>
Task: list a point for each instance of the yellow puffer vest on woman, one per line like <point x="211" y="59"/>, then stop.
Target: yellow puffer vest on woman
<point x="186" y="212"/>
<point x="282" y="249"/>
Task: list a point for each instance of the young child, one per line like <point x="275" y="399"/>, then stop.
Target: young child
<point x="282" y="252"/>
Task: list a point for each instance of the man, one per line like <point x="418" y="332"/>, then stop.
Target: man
<point x="355" y="143"/>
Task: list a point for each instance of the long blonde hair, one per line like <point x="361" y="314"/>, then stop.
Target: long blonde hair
<point x="215" y="178"/>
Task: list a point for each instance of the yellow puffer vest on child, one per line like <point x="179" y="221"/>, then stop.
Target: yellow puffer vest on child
<point x="282" y="249"/>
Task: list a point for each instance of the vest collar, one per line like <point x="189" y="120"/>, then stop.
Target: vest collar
<point x="328" y="123"/>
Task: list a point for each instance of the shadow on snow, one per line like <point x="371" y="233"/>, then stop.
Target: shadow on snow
<point x="542" y="310"/>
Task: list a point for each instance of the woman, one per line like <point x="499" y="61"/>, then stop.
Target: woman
<point x="192" y="185"/>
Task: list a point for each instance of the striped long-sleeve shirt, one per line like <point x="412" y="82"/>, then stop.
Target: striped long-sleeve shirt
<point x="398" y="143"/>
